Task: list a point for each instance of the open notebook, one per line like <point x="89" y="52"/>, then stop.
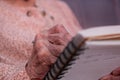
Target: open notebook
<point x="98" y="50"/>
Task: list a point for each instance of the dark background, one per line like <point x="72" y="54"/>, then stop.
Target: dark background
<point x="91" y="13"/>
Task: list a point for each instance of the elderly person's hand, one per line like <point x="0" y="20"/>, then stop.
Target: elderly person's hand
<point x="114" y="75"/>
<point x="47" y="47"/>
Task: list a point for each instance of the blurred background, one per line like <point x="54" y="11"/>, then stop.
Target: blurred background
<point x="91" y="13"/>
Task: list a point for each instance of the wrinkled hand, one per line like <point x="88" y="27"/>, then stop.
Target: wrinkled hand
<point x="47" y="47"/>
<point x="114" y="75"/>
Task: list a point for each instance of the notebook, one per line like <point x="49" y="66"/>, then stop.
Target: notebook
<point x="91" y="54"/>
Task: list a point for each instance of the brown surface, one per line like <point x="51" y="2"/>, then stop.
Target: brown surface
<point x="105" y="37"/>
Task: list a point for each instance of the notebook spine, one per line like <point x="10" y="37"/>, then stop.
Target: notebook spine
<point x="66" y="59"/>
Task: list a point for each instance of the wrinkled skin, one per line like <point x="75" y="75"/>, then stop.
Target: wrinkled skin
<point x="114" y="75"/>
<point x="47" y="47"/>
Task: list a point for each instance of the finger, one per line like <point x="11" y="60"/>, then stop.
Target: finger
<point x="107" y="77"/>
<point x="116" y="72"/>
<point x="44" y="54"/>
<point x="57" y="40"/>
<point x="55" y="50"/>
<point x="40" y="63"/>
<point x="38" y="72"/>
<point x="46" y="58"/>
<point x="57" y="44"/>
<point x="110" y="77"/>
<point x="67" y="37"/>
<point x="41" y="71"/>
<point x="40" y="41"/>
<point x="57" y="29"/>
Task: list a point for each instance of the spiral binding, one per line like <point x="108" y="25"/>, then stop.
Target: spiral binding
<point x="66" y="59"/>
